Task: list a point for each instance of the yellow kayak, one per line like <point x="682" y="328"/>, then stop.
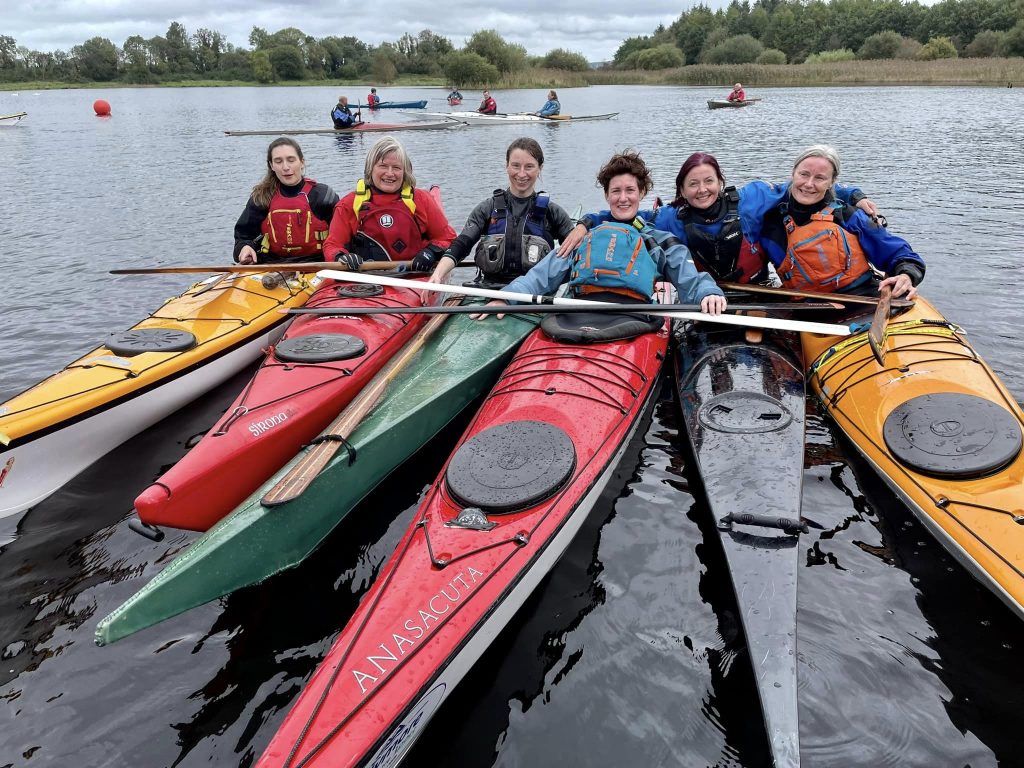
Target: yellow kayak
<point x="943" y="431"/>
<point x="52" y="431"/>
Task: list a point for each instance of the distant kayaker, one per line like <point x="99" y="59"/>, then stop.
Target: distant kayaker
<point x="737" y="93"/>
<point x="455" y="97"/>
<point x="551" y="106"/>
<point x="516" y="227"/>
<point x="713" y="221"/>
<point x="633" y="254"/>
<point x="488" y="105"/>
<point x="387" y="217"/>
<point x="342" y="115"/>
<point x="372" y="99"/>
<point x="288" y="215"/>
<point x="817" y="243"/>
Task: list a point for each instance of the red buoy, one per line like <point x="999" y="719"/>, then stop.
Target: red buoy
<point x="101" y="107"/>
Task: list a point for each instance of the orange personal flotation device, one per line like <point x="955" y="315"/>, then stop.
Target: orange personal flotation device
<point x="821" y="254"/>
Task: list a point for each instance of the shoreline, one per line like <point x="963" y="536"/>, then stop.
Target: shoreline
<point x="992" y="72"/>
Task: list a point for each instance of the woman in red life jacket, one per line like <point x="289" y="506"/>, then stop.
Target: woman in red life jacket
<point x="288" y="215"/>
<point x="386" y="217"/>
<point x="737" y="93"/>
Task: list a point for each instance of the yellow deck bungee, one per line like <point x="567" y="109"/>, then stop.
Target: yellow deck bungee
<point x="977" y="515"/>
<point x="221" y="313"/>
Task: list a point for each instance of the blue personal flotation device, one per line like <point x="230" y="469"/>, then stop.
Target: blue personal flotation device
<point x="493" y="255"/>
<point x="613" y="258"/>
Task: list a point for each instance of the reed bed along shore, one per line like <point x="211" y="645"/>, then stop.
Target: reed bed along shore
<point x="994" y="71"/>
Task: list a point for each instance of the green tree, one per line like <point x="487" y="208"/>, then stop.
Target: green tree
<point x="262" y="69"/>
<point x="258" y="38"/>
<point x="559" y="58"/>
<point x="97" y="59"/>
<point x="664" y="56"/>
<point x="985" y="44"/>
<point x="208" y="46"/>
<point x="507" y="57"/>
<point x="692" y="28"/>
<point x="740" y="49"/>
<point x="771" y="56"/>
<point x="287" y="62"/>
<point x="382" y="65"/>
<point x="1013" y="44"/>
<point x="631" y="45"/>
<point x="881" y="45"/>
<point x="8" y="52"/>
<point x="179" y="50"/>
<point x="466" y="68"/>
<point x="825" y="57"/>
<point x="938" y="48"/>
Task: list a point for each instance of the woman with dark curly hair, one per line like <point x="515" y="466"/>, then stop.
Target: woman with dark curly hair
<point x="620" y="260"/>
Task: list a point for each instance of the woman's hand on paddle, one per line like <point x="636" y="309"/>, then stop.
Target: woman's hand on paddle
<point x="444" y="267"/>
<point x="868" y="206"/>
<point x="247" y="255"/>
<point x="574" y="238"/>
<point x="901" y="286"/>
<point x="491" y="303"/>
<point x="713" y="304"/>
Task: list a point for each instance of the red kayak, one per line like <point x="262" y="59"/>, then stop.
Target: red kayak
<point x="316" y="369"/>
<point x="514" y="493"/>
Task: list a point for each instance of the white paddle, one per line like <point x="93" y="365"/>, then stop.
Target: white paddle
<point x="828" y="329"/>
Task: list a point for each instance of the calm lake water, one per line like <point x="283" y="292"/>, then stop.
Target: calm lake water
<point x="629" y="653"/>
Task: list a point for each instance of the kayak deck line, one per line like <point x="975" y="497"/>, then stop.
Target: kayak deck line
<point x="252" y="543"/>
<point x="942" y="431"/>
<point x="588" y="399"/>
<point x="189" y="345"/>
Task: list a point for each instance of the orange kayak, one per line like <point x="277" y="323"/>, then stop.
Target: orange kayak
<point x="942" y="430"/>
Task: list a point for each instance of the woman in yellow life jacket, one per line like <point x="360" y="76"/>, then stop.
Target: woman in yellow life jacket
<point x="288" y="215"/>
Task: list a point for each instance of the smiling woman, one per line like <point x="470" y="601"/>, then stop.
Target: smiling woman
<point x="387" y="217"/>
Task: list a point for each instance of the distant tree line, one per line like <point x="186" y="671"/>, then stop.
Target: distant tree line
<point x="286" y="55"/>
<point x="797" y="31"/>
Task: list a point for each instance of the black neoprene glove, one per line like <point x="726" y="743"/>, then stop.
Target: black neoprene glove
<point x="350" y="261"/>
<point x="424" y="260"/>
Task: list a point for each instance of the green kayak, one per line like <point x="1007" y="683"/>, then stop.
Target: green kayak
<point x="456" y="366"/>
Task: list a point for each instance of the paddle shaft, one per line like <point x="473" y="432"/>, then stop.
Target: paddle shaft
<point x="876" y="333"/>
<point x="829" y="329"/>
<point x="298" y="479"/>
<point x="298" y="266"/>
<point x="842" y="298"/>
<point x="520" y="309"/>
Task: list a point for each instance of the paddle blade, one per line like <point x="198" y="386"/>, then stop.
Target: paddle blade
<point x="879" y="324"/>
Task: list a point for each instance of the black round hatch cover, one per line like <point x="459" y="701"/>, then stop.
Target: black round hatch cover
<point x="139" y="340"/>
<point x="319" y="348"/>
<point x="744" y="412"/>
<point x="952" y="435"/>
<point x="511" y="466"/>
<point x="359" y="290"/>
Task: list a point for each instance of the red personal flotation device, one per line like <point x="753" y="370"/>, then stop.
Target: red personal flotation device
<point x="291" y="228"/>
<point x="389" y="222"/>
<point x="821" y="254"/>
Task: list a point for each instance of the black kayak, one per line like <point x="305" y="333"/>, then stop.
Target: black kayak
<point x="743" y="406"/>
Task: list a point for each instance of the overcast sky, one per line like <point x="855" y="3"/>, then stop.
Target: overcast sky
<point x="594" y="28"/>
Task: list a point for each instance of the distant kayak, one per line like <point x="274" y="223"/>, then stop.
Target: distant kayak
<point x="361" y="128"/>
<point x="397" y="105"/>
<point x="724" y="104"/>
<point x="477" y="118"/>
<point x="12" y="119"/>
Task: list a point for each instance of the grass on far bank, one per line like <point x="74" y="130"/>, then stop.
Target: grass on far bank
<point x="994" y="71"/>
